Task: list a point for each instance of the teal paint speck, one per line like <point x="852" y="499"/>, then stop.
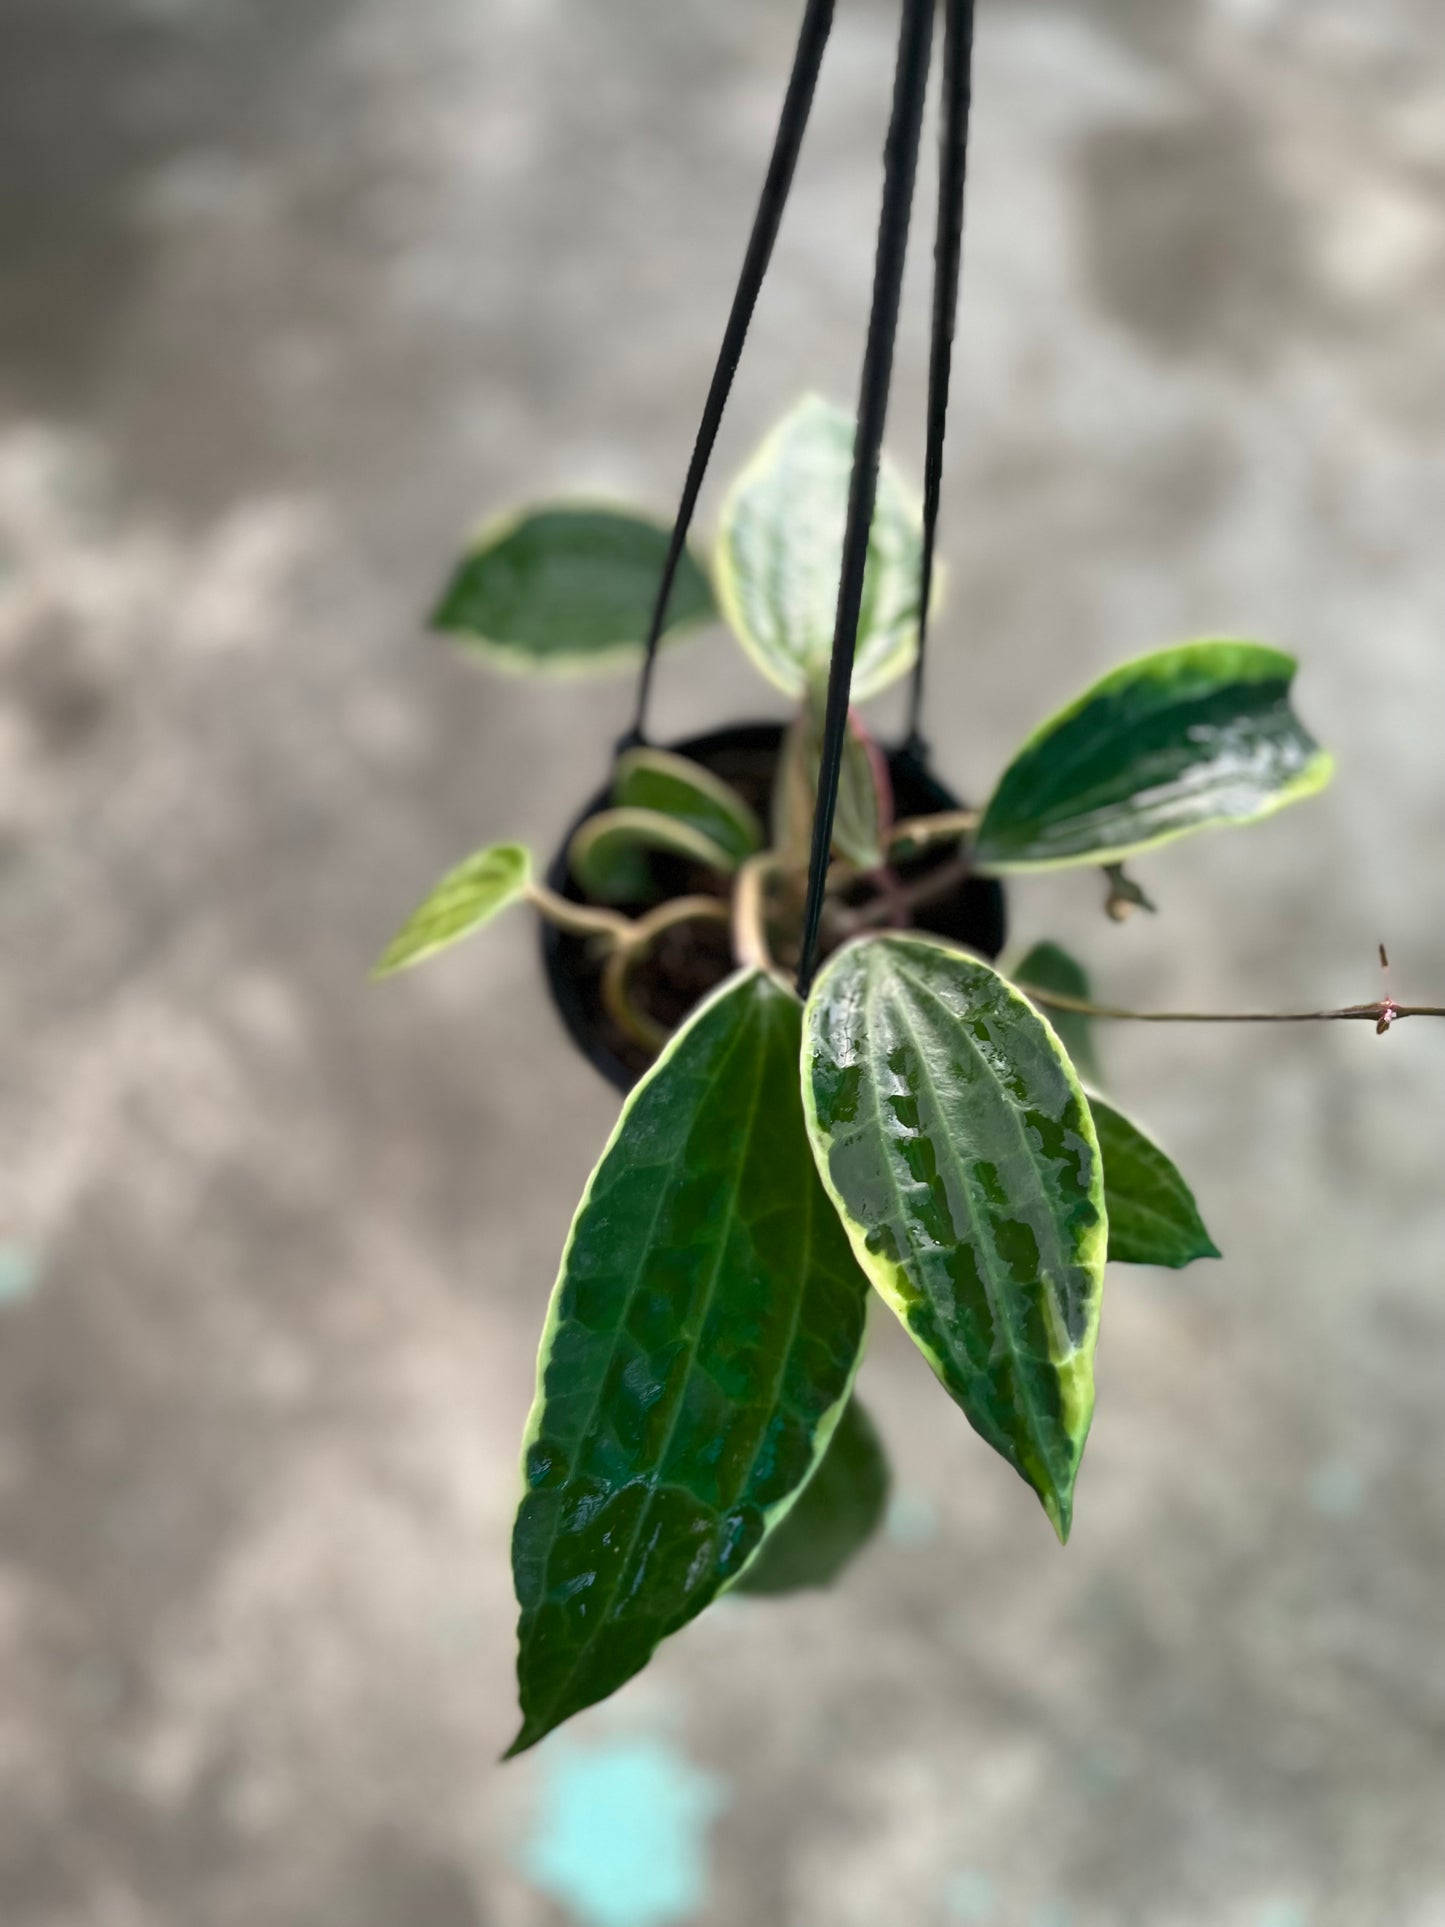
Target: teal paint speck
<point x="1337" y="1491"/>
<point x="19" y="1273"/>
<point x="912" y="1519"/>
<point x="969" y="1897"/>
<point x="621" y="1834"/>
<point x="1053" y="1913"/>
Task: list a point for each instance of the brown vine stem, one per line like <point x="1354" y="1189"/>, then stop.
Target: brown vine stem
<point x="750" y="911"/>
<point x="946" y="826"/>
<point x="1382" y="1013"/>
<point x="641" y="936"/>
<point x="581" y="919"/>
<point x="908" y="896"/>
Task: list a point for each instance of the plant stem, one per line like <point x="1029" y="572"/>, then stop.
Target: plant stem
<point x="948" y="826"/>
<point x="1382" y="1014"/>
<point x="641" y="936"/>
<point x="581" y="919"/>
<point x="750" y="911"/>
<point x="908" y="896"/>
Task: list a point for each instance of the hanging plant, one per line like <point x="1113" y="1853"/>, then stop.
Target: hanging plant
<point x="782" y="942"/>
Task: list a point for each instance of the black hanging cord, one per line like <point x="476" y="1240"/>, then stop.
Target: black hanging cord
<point x="900" y="171"/>
<point x="947" y="261"/>
<point x="797" y="105"/>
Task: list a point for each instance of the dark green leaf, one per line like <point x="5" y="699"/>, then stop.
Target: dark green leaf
<point x="955" y="1139"/>
<point x="701" y="1342"/>
<point x="780" y="554"/>
<point x="608" y="855"/>
<point x="1153" y="1219"/>
<point x="656" y="779"/>
<point x="839" y="1510"/>
<point x="568" y="587"/>
<point x="1182" y="740"/>
<point x="1048" y="967"/>
<point x="463" y="901"/>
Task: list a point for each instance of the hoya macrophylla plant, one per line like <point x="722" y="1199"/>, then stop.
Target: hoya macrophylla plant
<point x="922" y="1126"/>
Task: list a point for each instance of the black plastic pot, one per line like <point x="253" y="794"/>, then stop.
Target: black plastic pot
<point x="746" y="756"/>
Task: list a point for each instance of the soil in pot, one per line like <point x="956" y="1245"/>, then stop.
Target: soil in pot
<point x="694" y="958"/>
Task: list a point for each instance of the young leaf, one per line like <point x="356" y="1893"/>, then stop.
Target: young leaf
<point x="699" y="1350"/>
<point x="780" y="553"/>
<point x="608" y="854"/>
<point x="463" y="901"/>
<point x="656" y="779"/>
<point x="955" y="1140"/>
<point x="1048" y="967"/>
<point x="865" y="795"/>
<point x="839" y="1511"/>
<point x="1181" y="740"/>
<point x="1153" y="1219"/>
<point x="568" y="587"/>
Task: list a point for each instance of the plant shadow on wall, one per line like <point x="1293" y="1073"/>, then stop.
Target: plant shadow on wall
<point x="782" y="942"/>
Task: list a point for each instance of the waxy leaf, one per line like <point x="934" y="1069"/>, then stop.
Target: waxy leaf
<point x="956" y="1142"/>
<point x="1181" y="740"/>
<point x="1048" y="967"/>
<point x="463" y="901"/>
<point x="1153" y="1219"/>
<point x="608" y="855"/>
<point x="656" y="779"/>
<point x="568" y="587"/>
<point x="780" y="556"/>
<point x="699" y="1350"/>
<point x="840" y="1509"/>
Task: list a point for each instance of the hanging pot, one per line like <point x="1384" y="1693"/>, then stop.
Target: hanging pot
<point x="699" y="956"/>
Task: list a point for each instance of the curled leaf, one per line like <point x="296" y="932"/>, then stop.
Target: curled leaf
<point x="1185" y="739"/>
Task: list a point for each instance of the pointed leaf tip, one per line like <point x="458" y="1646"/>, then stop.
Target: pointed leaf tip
<point x="702" y="1337"/>
<point x="1153" y="1218"/>
<point x="465" y="899"/>
<point x="956" y="1142"/>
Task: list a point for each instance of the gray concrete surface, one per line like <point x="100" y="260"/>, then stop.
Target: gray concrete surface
<point x="290" y="292"/>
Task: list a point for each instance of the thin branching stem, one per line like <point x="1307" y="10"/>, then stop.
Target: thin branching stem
<point x="1382" y="1013"/>
<point x="616" y="972"/>
<point x="581" y="919"/>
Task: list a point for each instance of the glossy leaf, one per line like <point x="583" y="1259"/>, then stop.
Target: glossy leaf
<point x="1153" y="1219"/>
<point x="656" y="779"/>
<point x="568" y="587"/>
<point x="1048" y="967"/>
<point x="465" y="899"/>
<point x="780" y="556"/>
<point x="699" y="1351"/>
<point x="954" y="1137"/>
<point x="840" y="1509"/>
<point x="609" y="854"/>
<point x="1185" y="739"/>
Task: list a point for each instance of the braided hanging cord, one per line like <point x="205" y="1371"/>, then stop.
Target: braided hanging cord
<point x="797" y="107"/>
<point x="947" y="260"/>
<point x="900" y="173"/>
